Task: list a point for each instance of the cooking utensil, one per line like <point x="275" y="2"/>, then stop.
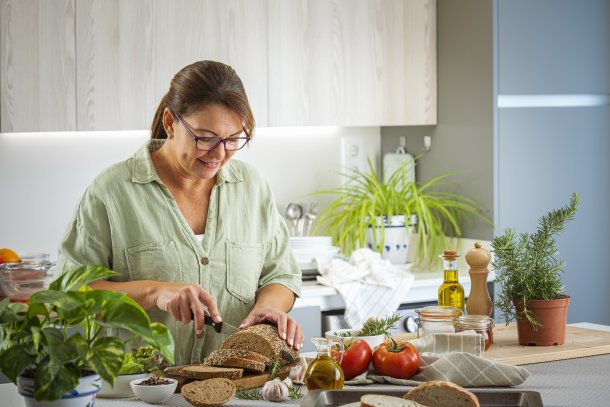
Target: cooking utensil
<point x="287" y="356"/>
<point x="294" y="212"/>
<point x="220" y="327"/>
<point x="310" y="216"/>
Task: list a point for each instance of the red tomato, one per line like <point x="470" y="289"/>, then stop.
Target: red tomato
<point x="399" y="360"/>
<point x="356" y="358"/>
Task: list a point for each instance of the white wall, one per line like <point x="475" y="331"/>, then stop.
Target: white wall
<point x="42" y="175"/>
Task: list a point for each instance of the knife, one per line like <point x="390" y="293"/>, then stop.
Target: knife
<point x="220" y="327"/>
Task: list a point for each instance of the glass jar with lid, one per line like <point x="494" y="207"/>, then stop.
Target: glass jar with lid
<point x="479" y="323"/>
<point x="437" y="319"/>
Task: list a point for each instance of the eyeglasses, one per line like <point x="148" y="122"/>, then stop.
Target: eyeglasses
<point x="210" y="143"/>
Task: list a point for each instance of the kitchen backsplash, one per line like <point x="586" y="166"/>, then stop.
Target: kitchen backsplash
<point x="43" y="175"/>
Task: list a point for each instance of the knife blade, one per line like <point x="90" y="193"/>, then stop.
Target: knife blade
<point x="220" y="327"/>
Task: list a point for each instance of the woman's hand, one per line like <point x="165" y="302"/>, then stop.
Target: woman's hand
<point x="287" y="327"/>
<point x="186" y="302"/>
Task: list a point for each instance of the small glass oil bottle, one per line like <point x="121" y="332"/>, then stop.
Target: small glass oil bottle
<point x="324" y="372"/>
<point x="451" y="292"/>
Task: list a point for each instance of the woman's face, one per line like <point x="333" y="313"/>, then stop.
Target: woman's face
<point x="210" y="121"/>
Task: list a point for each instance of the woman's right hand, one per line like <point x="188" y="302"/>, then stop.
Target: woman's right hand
<point x="186" y="302"/>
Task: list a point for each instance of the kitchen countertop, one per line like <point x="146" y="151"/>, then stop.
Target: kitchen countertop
<point x="424" y="289"/>
<point x="574" y="382"/>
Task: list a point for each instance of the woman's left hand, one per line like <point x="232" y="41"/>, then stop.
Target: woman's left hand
<point x="287" y="327"/>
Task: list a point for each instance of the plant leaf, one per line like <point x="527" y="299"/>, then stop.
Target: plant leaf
<point x="75" y="278"/>
<point x="15" y="360"/>
<point x="106" y="356"/>
<point x="52" y="380"/>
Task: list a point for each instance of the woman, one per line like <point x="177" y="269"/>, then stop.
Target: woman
<point x="188" y="228"/>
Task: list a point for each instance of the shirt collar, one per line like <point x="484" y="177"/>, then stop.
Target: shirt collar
<point x="143" y="170"/>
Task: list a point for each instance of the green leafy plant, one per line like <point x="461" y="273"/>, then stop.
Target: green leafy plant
<point x="526" y="265"/>
<point x="58" y="336"/>
<point x="363" y="198"/>
<point x="144" y="359"/>
<point x="374" y="326"/>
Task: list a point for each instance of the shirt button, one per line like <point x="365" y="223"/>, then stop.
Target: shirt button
<point x="205" y="261"/>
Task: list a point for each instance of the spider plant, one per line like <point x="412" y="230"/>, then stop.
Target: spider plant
<point x="363" y="198"/>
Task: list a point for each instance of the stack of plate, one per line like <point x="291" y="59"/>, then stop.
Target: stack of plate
<point x="306" y="248"/>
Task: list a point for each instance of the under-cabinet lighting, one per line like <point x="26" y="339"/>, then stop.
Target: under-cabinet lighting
<point x="581" y="100"/>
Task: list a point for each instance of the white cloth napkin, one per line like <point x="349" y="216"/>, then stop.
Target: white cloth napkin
<point x="369" y="285"/>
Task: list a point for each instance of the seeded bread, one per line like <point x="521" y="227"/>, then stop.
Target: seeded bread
<point x="261" y="338"/>
<point x="201" y="372"/>
<point x="217" y="357"/>
<point x="379" y="400"/>
<point x="440" y="393"/>
<point x="209" y="393"/>
<point x="246" y="364"/>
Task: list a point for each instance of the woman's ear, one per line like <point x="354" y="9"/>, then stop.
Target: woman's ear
<point x="168" y="122"/>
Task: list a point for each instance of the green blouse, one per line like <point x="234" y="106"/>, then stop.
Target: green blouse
<point x="128" y="221"/>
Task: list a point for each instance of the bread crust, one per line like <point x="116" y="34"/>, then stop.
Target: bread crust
<point x="201" y="372"/>
<point x="262" y="339"/>
<point x="440" y="393"/>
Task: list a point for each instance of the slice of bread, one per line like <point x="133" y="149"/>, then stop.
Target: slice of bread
<point x="246" y="364"/>
<point x="201" y="372"/>
<point x="209" y="393"/>
<point x="261" y="338"/>
<point x="439" y="393"/>
<point x="217" y="357"/>
<point x="379" y="400"/>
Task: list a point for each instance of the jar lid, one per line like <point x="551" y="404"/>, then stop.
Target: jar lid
<point x="439" y="311"/>
<point x="475" y="320"/>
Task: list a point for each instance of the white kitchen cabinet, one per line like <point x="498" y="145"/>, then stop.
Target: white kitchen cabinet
<point x="352" y="62"/>
<point x="37" y="65"/>
<point x="128" y="52"/>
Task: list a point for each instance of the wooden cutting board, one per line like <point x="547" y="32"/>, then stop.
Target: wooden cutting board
<point x="580" y="342"/>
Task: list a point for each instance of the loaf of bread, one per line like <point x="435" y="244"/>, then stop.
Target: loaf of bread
<point x="209" y="393"/>
<point x="261" y="338"/>
<point x="201" y="372"/>
<point x="440" y="393"/>
<point x="219" y="356"/>
<point x="379" y="400"/>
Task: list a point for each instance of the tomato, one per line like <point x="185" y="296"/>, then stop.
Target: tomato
<point x="399" y="360"/>
<point x="356" y="358"/>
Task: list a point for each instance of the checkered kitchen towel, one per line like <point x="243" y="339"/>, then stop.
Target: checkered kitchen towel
<point x="455" y="358"/>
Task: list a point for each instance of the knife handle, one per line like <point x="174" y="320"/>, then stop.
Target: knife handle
<point x="207" y="319"/>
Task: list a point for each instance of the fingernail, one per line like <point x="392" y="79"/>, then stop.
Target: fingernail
<point x="283" y="335"/>
<point x="218" y="318"/>
<point x="300" y="345"/>
<point x="290" y="341"/>
<point x="241" y="326"/>
<point x="199" y="332"/>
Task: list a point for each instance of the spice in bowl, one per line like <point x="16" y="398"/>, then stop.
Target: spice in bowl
<point x="154" y="389"/>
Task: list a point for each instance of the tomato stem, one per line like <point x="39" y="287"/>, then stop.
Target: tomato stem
<point x="395" y="347"/>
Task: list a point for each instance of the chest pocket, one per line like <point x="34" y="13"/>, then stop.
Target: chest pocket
<point x="154" y="261"/>
<point x="244" y="266"/>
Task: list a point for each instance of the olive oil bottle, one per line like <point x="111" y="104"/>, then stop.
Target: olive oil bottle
<point x="324" y="372"/>
<point x="451" y="292"/>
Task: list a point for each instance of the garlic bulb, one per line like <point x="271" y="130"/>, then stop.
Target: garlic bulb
<point x="297" y="373"/>
<point x="275" y="390"/>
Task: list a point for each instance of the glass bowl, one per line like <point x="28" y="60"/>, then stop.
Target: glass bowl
<point x="19" y="281"/>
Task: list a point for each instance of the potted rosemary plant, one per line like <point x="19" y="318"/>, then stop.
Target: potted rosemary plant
<point x="366" y="210"/>
<point x="53" y="347"/>
<point x="528" y="274"/>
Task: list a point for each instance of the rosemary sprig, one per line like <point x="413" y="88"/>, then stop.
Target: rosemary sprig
<point x="248" y="394"/>
<point x="379" y="326"/>
<point x="294" y="392"/>
<point x="276" y="365"/>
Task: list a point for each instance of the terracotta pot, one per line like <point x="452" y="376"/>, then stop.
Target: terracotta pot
<point x="552" y="314"/>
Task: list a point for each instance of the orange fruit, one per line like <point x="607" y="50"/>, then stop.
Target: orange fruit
<point x="9" y="256"/>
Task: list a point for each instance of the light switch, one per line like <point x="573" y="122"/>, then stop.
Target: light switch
<point x="352" y="155"/>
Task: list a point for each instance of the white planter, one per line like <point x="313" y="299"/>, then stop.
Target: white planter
<point x="82" y="396"/>
<point x="121" y="386"/>
<point x="396" y="239"/>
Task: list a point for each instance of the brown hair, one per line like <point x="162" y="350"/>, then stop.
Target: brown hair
<point x="200" y="84"/>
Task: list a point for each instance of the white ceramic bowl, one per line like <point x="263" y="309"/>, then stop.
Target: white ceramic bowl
<point x="121" y="386"/>
<point x="339" y="335"/>
<point x="154" y="394"/>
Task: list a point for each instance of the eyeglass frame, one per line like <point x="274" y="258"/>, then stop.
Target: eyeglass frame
<point x="219" y="140"/>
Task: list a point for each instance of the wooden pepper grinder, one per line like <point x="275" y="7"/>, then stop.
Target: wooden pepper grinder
<point x="479" y="301"/>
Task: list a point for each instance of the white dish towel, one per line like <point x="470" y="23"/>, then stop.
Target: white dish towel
<point x="369" y="285"/>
